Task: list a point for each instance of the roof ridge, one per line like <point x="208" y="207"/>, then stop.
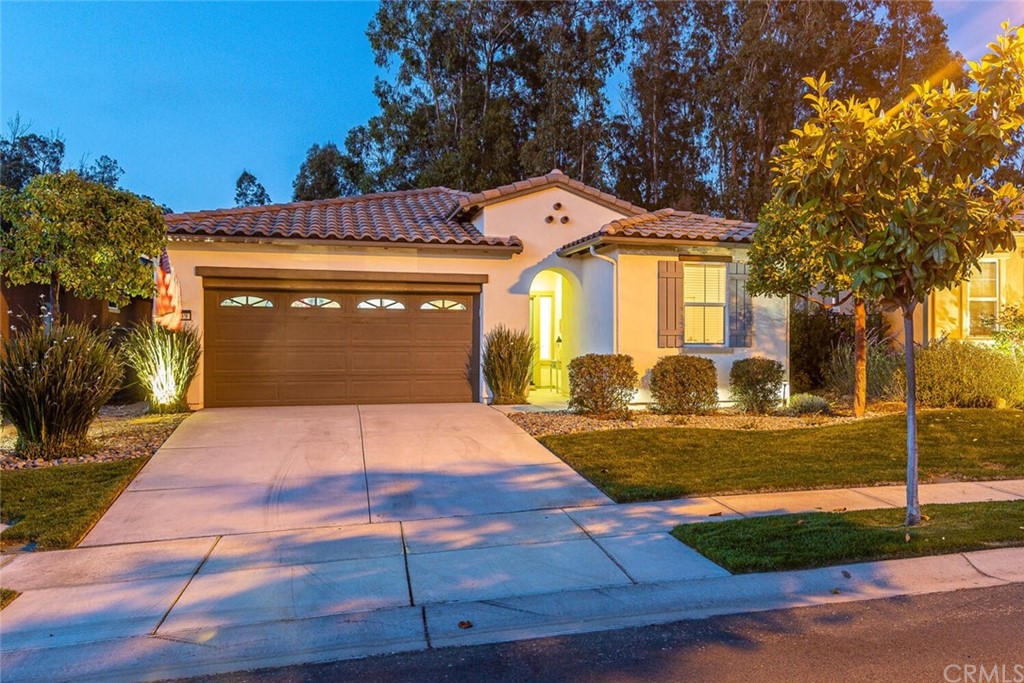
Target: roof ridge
<point x="332" y="201"/>
<point x="555" y="176"/>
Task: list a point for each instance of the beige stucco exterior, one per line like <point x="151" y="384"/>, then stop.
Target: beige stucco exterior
<point x="947" y="314"/>
<point x="588" y="288"/>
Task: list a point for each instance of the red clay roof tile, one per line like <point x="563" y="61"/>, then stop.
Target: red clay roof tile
<point x="672" y="224"/>
<point x="406" y="217"/>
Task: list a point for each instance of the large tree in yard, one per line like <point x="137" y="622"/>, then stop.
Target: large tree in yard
<point x="80" y="236"/>
<point x="788" y="259"/>
<point x="905" y="201"/>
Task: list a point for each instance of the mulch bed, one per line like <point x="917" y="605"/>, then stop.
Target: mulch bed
<point x="121" y="432"/>
<point x="565" y="422"/>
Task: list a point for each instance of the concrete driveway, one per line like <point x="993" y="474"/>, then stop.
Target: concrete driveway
<point x="261" y="536"/>
<point x="244" y="470"/>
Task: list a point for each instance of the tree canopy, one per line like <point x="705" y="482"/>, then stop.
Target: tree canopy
<point x="322" y="174"/>
<point x="71" y="233"/>
<point x="249" y="191"/>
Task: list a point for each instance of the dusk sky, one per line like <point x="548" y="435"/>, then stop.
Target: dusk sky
<point x="186" y="95"/>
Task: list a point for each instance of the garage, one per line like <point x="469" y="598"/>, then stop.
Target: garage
<point x="280" y="337"/>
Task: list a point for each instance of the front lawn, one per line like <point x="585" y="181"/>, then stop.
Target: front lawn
<point x="54" y="507"/>
<point x="653" y="464"/>
<point x="819" y="539"/>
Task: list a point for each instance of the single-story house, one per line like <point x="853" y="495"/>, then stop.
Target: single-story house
<point x="386" y="298"/>
<point x="966" y="311"/>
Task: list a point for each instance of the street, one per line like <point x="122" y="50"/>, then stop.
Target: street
<point x="937" y="637"/>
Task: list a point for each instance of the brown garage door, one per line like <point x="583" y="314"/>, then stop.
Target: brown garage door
<point x="265" y="347"/>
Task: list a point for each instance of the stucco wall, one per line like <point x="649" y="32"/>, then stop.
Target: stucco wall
<point x="638" y="319"/>
<point x="505" y="297"/>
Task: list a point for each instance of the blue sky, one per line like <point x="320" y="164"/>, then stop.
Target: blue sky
<point x="184" y="95"/>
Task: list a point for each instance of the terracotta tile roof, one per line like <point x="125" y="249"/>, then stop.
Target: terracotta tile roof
<point x="405" y="217"/>
<point x="469" y="203"/>
<point x="671" y="224"/>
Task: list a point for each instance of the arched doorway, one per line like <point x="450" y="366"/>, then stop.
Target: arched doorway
<point x="552" y="330"/>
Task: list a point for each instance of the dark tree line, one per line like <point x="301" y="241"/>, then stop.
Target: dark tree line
<point x="485" y="93"/>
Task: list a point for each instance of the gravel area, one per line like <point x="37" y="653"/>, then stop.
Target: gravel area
<point x="121" y="432"/>
<point x="565" y="422"/>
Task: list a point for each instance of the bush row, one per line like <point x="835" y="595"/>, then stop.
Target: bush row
<point x="605" y="384"/>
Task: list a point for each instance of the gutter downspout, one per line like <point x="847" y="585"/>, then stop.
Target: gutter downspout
<point x="615" y="296"/>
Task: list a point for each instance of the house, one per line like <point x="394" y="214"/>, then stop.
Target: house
<point x="966" y="311"/>
<point x="22" y="305"/>
<point x="385" y="298"/>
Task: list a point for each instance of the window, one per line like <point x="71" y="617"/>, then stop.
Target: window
<point x="381" y="304"/>
<point x="113" y="307"/>
<point x="315" y="302"/>
<point x="983" y="299"/>
<point x="247" y="301"/>
<point x="442" y="305"/>
<point x="704" y="303"/>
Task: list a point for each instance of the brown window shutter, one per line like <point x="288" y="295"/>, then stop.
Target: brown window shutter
<point x="741" y="309"/>
<point x="670" y="304"/>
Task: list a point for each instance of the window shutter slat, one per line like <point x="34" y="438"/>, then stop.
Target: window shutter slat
<point x="741" y="310"/>
<point x="670" y="304"/>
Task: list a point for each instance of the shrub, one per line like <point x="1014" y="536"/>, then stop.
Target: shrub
<point x="965" y="375"/>
<point x="507" y="364"/>
<point x="601" y="383"/>
<point x="684" y="384"/>
<point x="165" y="363"/>
<point x="1008" y="332"/>
<point x="807" y="404"/>
<point x="756" y="384"/>
<point x="884" y="364"/>
<point x="52" y="386"/>
<point x="815" y="331"/>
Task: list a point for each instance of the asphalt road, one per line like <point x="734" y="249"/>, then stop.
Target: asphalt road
<point x="936" y="637"/>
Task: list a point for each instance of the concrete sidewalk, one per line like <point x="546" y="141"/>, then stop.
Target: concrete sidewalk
<point x="226" y="602"/>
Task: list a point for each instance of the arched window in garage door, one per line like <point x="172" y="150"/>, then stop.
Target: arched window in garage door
<point x="443" y="305"/>
<point x="381" y="304"/>
<point x="247" y="301"/>
<point x="315" y="302"/>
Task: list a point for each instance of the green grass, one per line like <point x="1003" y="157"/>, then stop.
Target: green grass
<point x="819" y="539"/>
<point x="6" y="595"/>
<point x="54" y="507"/>
<point x="653" y="464"/>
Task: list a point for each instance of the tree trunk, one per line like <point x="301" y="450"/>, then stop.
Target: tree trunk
<point x="913" y="504"/>
<point x="860" y="352"/>
<point x="53" y="314"/>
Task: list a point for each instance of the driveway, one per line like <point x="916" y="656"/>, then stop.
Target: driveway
<point x="269" y="536"/>
<point x="244" y="470"/>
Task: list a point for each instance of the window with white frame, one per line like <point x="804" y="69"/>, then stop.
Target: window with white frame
<point x="983" y="299"/>
<point x="704" y="299"/>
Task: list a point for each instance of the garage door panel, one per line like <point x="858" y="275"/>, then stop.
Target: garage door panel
<point x="378" y="360"/>
<point x="442" y="390"/>
<point x="282" y="355"/>
<point x="312" y="360"/>
<point x="245" y="392"/>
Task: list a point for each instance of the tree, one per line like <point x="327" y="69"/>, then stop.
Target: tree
<point x="105" y="171"/>
<point x="724" y="77"/>
<point x="70" y="233"/>
<point x="787" y="259"/>
<point x="481" y="94"/>
<point x="321" y="176"/>
<point x="249" y="191"/>
<point x="904" y="200"/>
<point x="24" y="155"/>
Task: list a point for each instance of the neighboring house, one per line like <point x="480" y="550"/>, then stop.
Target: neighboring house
<point x="386" y="297"/>
<point x="966" y="311"/>
<point x="22" y="305"/>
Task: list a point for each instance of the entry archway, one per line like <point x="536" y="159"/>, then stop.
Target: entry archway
<point x="552" y="330"/>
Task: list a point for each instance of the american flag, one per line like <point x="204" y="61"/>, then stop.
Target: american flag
<point x="167" y="303"/>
